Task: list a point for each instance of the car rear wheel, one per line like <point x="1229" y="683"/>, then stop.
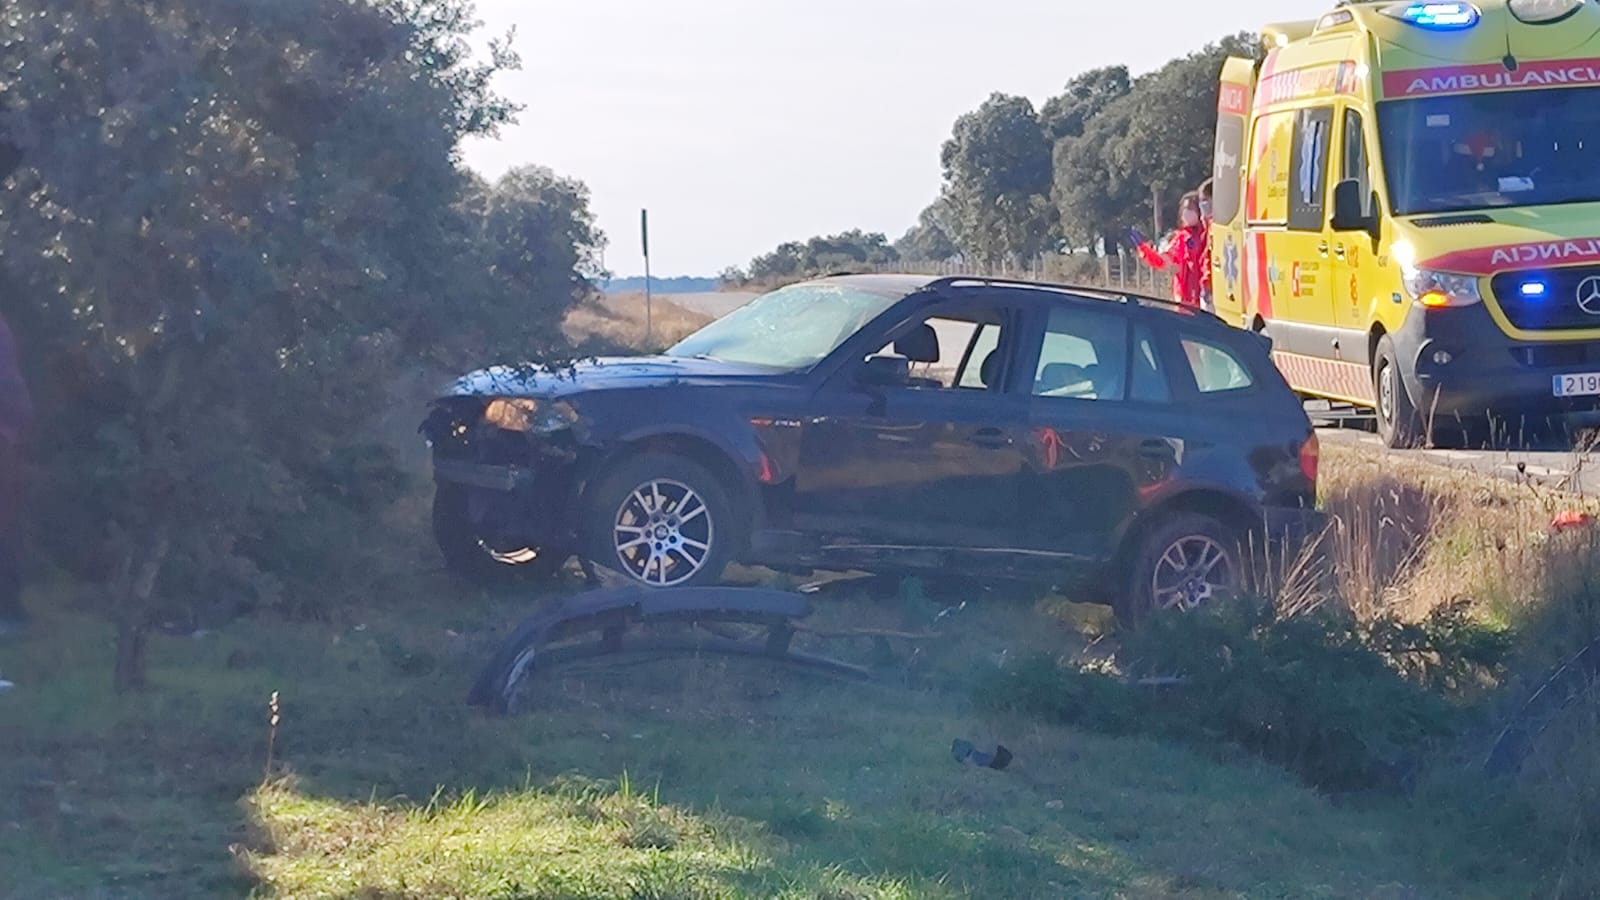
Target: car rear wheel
<point x="471" y="557"/>
<point x="662" y="521"/>
<point x="1185" y="563"/>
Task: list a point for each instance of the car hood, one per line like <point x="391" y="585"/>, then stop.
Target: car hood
<point x="1502" y="240"/>
<point x="537" y="380"/>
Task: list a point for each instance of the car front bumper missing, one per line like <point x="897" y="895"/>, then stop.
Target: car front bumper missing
<point x="481" y="475"/>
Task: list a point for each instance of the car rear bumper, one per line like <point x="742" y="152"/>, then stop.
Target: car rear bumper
<point x="1487" y="373"/>
<point x="1291" y="528"/>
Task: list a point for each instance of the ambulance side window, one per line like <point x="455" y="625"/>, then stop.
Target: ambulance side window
<point x="1225" y="168"/>
<point x="1355" y="158"/>
<point x="1308" y="176"/>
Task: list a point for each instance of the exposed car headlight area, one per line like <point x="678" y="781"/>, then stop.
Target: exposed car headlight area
<point x="526" y="414"/>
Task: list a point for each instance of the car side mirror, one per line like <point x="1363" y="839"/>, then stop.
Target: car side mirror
<point x="886" y="371"/>
<point x="1349" y="209"/>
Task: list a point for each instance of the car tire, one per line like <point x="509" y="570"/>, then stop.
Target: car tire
<point x="1399" y="423"/>
<point x="1158" y="581"/>
<point x="662" y="521"/>
<point x="467" y="556"/>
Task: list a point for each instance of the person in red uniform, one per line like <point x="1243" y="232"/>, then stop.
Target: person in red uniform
<point x="1184" y="251"/>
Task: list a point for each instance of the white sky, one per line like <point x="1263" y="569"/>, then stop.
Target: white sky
<point x="743" y="123"/>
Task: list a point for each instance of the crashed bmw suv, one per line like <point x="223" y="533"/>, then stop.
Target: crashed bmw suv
<point x="1120" y="445"/>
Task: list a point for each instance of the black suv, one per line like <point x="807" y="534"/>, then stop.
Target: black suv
<point x="1121" y="445"/>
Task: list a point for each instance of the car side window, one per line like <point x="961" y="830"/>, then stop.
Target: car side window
<point x="1148" y="383"/>
<point x="984" y="342"/>
<point x="1216" y="368"/>
<point x="951" y="351"/>
<point x="1084" y="355"/>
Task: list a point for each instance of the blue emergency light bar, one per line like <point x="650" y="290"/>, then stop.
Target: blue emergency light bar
<point x="1533" y="290"/>
<point x="1436" y="16"/>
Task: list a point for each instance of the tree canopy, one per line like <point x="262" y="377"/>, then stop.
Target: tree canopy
<point x="796" y="260"/>
<point x="997" y="182"/>
<point x="1080" y="170"/>
<point x="929" y="240"/>
<point x="1085" y="96"/>
<point x="232" y="223"/>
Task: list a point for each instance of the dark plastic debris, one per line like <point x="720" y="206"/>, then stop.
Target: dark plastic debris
<point x="965" y="752"/>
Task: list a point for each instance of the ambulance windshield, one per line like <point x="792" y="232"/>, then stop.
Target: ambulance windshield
<point x="1473" y="151"/>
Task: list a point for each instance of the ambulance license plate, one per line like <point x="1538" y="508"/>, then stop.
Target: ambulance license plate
<point x="1583" y="384"/>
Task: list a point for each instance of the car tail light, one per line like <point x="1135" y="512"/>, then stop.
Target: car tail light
<point x="1310" y="455"/>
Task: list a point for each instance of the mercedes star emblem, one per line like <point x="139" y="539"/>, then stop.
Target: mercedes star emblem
<point x="1589" y="295"/>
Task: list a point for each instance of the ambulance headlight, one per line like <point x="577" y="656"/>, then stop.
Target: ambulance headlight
<point x="1436" y="290"/>
<point x="1543" y="12"/>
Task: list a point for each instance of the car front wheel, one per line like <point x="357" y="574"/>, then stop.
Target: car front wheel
<point x="1185" y="563"/>
<point x="662" y="521"/>
<point x="470" y="556"/>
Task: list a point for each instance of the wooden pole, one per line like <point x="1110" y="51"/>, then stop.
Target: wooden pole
<point x="644" y="244"/>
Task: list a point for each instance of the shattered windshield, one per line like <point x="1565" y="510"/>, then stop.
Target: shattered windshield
<point x="791" y="328"/>
<point x="1519" y="148"/>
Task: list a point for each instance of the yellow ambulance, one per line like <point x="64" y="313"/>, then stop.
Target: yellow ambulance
<point x="1407" y="202"/>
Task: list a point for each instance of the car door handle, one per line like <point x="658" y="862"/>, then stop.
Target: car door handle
<point x="1338" y="250"/>
<point x="992" y="438"/>
<point x="1156" y="449"/>
<point x="1322" y="248"/>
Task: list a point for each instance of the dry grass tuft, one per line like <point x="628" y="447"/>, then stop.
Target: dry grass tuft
<point x="620" y="319"/>
<point x="1408" y="537"/>
<point x="1411" y="537"/>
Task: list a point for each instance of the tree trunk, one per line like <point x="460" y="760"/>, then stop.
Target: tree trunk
<point x="130" y="671"/>
<point x="134" y="588"/>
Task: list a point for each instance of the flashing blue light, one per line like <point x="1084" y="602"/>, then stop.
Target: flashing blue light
<point x="1437" y="16"/>
<point x="1533" y="290"/>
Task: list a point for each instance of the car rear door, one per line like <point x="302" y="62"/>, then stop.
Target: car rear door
<point x="1103" y="427"/>
<point x="931" y="464"/>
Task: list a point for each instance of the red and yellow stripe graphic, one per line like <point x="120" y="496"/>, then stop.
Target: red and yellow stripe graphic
<point x="1337" y="379"/>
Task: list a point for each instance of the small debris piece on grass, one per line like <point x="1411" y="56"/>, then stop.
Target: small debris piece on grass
<point x="965" y="752"/>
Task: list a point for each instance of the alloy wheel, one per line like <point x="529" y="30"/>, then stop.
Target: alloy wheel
<point x="1193" y="572"/>
<point x="663" y="533"/>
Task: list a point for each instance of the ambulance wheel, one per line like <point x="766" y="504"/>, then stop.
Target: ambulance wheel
<point x="1399" y="424"/>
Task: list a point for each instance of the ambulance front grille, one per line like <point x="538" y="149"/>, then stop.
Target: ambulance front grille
<point x="1569" y="299"/>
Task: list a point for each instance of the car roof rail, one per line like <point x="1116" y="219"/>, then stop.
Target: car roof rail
<point x="1098" y="293"/>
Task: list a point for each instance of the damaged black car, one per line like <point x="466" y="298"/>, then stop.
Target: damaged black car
<point x="1124" y="448"/>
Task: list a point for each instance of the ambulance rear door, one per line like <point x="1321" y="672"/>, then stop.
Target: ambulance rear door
<point x="1234" y="97"/>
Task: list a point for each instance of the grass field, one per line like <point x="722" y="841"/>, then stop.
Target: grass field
<point x="676" y="779"/>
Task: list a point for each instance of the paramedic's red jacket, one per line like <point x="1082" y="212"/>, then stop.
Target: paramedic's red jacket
<point x="1185" y="252"/>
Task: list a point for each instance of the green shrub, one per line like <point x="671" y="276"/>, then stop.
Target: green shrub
<point x="1344" y="706"/>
